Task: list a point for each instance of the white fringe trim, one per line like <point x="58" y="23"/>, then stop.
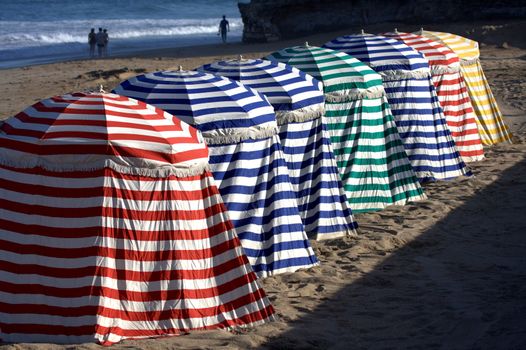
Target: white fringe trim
<point x="334" y="235"/>
<point x="440" y="70"/>
<point x="240" y="135"/>
<point x="473" y="159"/>
<point x="464" y="62"/>
<point x="353" y="95"/>
<point x="162" y="171"/>
<point x="299" y="115"/>
<point x="392" y="75"/>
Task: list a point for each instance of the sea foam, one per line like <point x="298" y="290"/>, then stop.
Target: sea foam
<point x="23" y="34"/>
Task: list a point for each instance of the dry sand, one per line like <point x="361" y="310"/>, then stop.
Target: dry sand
<point x="446" y="273"/>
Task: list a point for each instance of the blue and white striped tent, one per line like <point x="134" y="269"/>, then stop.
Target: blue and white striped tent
<point x="246" y="158"/>
<point x="370" y="156"/>
<point x="298" y="101"/>
<point x="413" y="99"/>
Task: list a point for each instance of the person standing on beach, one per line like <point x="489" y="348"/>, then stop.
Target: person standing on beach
<point x="100" y="42"/>
<point x="92" y="41"/>
<point x="106" y="42"/>
<point x="224" y="27"/>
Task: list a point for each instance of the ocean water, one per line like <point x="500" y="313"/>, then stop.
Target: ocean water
<point x="43" y="31"/>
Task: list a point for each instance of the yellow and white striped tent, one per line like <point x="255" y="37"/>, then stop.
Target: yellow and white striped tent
<point x="489" y="118"/>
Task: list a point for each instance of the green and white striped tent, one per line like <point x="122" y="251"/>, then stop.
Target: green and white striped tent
<point x="373" y="165"/>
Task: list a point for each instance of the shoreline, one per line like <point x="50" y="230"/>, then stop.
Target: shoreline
<point x="166" y="44"/>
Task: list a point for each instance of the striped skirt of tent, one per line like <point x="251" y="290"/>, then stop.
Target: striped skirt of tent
<point x="253" y="179"/>
<point x="160" y="257"/>
<point x="460" y="117"/>
<point x="423" y="129"/>
<point x="373" y="165"/>
<point x="312" y="170"/>
<point x="489" y="118"/>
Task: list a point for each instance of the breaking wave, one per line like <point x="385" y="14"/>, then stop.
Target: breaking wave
<point x="20" y="34"/>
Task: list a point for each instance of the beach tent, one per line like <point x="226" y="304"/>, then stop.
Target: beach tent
<point x="373" y="165"/>
<point x="452" y="92"/>
<point x="112" y="227"/>
<point x="491" y="125"/>
<point x="414" y="102"/>
<point x="246" y="158"/>
<point x="298" y="101"/>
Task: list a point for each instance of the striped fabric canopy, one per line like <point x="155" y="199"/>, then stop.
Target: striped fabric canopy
<point x="390" y="58"/>
<point x="86" y="136"/>
<point x="414" y="102"/>
<point x="370" y="156"/>
<point x="466" y="49"/>
<point x="341" y="75"/>
<point x="491" y="126"/>
<point x="222" y="109"/>
<point x="298" y="101"/>
<point x="452" y="92"/>
<point x="287" y="88"/>
<point x="246" y="158"/>
<point x="112" y="227"/>
<point x="440" y="57"/>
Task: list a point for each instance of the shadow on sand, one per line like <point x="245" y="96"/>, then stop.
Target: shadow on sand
<point x="459" y="285"/>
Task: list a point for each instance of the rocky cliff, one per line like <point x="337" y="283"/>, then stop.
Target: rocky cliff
<point x="269" y="20"/>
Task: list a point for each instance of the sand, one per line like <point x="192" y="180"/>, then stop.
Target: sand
<point x="445" y="273"/>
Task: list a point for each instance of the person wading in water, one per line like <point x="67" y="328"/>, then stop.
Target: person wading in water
<point x="92" y="40"/>
<point x="224" y="27"/>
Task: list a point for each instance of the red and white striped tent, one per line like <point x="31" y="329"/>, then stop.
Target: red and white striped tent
<point x="111" y="227"/>
<point x="452" y="92"/>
